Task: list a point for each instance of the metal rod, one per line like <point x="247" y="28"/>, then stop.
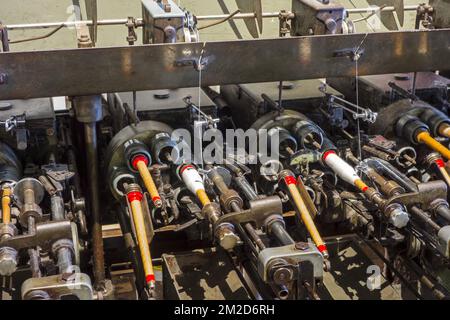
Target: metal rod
<point x="67" y="24"/>
<point x="422" y="215"/>
<point x="33" y="252"/>
<point x="112" y="22"/>
<point x="6" y="205"/>
<point x="279" y="231"/>
<point x="90" y="130"/>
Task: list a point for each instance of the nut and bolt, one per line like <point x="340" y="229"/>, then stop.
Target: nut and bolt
<point x="302" y="246"/>
<point x="226" y="236"/>
<point x="8" y="261"/>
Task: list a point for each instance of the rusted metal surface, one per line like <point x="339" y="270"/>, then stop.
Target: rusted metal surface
<point x="204" y="274"/>
<point x="99" y="70"/>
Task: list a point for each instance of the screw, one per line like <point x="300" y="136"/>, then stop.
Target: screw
<point x="301" y="246"/>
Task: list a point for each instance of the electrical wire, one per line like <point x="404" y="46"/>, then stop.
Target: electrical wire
<point x="370" y="15"/>
<point x="220" y="21"/>
<point x="38" y="37"/>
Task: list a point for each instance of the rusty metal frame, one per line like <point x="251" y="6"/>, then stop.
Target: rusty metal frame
<point x="168" y="66"/>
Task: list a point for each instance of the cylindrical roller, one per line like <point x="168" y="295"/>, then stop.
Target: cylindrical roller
<point x="425" y="138"/>
<point x="164" y="149"/>
<point x="444" y="130"/>
<point x="275" y="225"/>
<point x="148" y="182"/>
<point x="343" y="170"/>
<point x="415" y="131"/>
<point x="287" y="143"/>
<point x="6" y="202"/>
<point x="134" y="197"/>
<point x="194" y="183"/>
<point x="308" y="135"/>
<point x="409" y="126"/>
<point x="438" y="122"/>
<point x="138" y="159"/>
<point x="302" y="210"/>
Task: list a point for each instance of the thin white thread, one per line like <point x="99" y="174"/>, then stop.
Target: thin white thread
<point x="357" y="111"/>
<point x="200" y="68"/>
<point x="357" y="95"/>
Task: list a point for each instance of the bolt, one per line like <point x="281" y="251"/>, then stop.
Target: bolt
<point x="301" y="246"/>
<point x="226" y="236"/>
<point x="398" y="217"/>
<point x="282" y="276"/>
<point x="50" y="132"/>
<point x="8" y="261"/>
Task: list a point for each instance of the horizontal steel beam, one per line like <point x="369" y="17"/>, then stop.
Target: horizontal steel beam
<point x="168" y="66"/>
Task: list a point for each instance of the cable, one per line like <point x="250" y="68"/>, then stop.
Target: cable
<point x="370" y="15"/>
<point x="220" y="21"/>
<point x="38" y="37"/>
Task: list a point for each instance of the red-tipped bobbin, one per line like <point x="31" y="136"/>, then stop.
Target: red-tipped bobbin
<point x="327" y="153"/>
<point x="185" y="167"/>
<point x="137" y="158"/>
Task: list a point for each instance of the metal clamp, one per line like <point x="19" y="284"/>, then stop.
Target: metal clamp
<point x="293" y="255"/>
<point x="13" y="122"/>
<point x="260" y="210"/>
<point x="358" y="112"/>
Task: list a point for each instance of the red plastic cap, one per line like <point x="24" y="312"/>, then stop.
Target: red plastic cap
<point x="188" y="166"/>
<point x="322" y="248"/>
<point x="150" y="278"/>
<point x="135" y="195"/>
<point x="290" y="180"/>
<point x="327" y="153"/>
<point x="137" y="158"/>
<point x="440" y="163"/>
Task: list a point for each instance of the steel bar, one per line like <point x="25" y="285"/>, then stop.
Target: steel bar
<point x="168" y="66"/>
<point x="67" y="24"/>
<point x="90" y="132"/>
<point x="110" y="22"/>
<point x="91" y="10"/>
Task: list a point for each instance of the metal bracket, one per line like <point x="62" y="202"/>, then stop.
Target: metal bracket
<point x="427" y="193"/>
<point x="291" y="255"/>
<point x="45" y="234"/>
<point x="62" y="286"/>
<point x="353" y="54"/>
<point x="13" y="122"/>
<point x="259" y="211"/>
<point x="358" y="112"/>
